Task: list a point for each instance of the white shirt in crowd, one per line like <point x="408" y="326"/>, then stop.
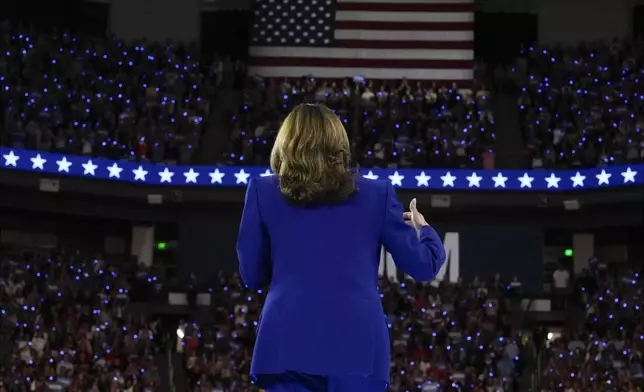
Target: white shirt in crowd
<point x="260" y="130"/>
<point x="87" y="147"/>
<point x="368" y="95"/>
<point x="561" y="277"/>
<point x="38" y="344"/>
<point x="240" y="314"/>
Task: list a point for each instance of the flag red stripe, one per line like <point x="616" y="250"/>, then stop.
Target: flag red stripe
<point x="461" y="83"/>
<point x="370" y="44"/>
<point x="420" y="26"/>
<point x="405" y="7"/>
<point x="359" y="63"/>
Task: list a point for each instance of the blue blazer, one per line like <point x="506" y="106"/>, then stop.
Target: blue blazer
<point x="323" y="314"/>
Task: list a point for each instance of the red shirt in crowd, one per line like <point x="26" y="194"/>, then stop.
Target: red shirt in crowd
<point x="142" y="149"/>
<point x="191" y="345"/>
<point x="437" y="374"/>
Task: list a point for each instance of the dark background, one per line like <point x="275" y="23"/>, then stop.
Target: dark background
<point x="498" y="35"/>
<point x="510" y="241"/>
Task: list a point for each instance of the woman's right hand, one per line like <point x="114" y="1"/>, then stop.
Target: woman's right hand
<point x="413" y="217"/>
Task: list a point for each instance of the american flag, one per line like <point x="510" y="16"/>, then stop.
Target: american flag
<point x="376" y="39"/>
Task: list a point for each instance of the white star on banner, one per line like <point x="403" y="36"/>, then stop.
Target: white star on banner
<point x="474" y="180"/>
<point x="267" y="173"/>
<point x="370" y="176"/>
<point x="90" y="168"/>
<point x="38" y="162"/>
<point x="139" y="173"/>
<point x="448" y="179"/>
<point x="10" y="159"/>
<point x="396" y="179"/>
<point x="629" y="175"/>
<point x="216" y="176"/>
<point x="63" y="165"/>
<point x="603" y="177"/>
<point x="526" y="181"/>
<point x="242" y="177"/>
<point x="115" y="171"/>
<point x="423" y="179"/>
<point x="166" y="175"/>
<point x="553" y="181"/>
<point x="191" y="176"/>
<point x="499" y="180"/>
<point x="577" y="180"/>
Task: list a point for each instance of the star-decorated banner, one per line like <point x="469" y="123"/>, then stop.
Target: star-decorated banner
<point x="445" y="179"/>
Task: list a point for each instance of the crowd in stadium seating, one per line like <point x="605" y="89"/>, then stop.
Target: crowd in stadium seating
<point x="452" y="334"/>
<point x="456" y="334"/>
<point x="389" y="125"/>
<point x="601" y="350"/>
<point x="218" y="356"/>
<point x="460" y="337"/>
<point x="582" y="106"/>
<point x="93" y="96"/>
<point x="64" y="325"/>
<point x="578" y="106"/>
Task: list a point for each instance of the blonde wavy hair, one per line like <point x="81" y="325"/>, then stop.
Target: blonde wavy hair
<point x="311" y="157"/>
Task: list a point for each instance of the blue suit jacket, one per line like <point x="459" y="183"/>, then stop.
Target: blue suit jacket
<point x="323" y="313"/>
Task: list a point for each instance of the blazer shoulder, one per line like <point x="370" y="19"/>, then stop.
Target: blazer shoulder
<point x="372" y="185"/>
<point x="261" y="183"/>
<point x="373" y="191"/>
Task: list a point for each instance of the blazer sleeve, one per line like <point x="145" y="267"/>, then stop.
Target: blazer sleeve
<point x="421" y="255"/>
<point x="253" y="244"/>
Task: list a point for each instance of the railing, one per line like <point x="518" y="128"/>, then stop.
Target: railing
<point x="170" y="368"/>
<point x="536" y="375"/>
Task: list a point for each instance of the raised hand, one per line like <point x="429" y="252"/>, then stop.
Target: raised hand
<point x="413" y="217"/>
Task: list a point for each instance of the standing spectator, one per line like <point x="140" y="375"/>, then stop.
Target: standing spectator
<point x="561" y="278"/>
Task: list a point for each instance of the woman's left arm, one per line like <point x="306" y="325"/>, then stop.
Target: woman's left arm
<point x="253" y="245"/>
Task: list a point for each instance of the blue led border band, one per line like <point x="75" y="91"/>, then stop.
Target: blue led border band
<point x="230" y="176"/>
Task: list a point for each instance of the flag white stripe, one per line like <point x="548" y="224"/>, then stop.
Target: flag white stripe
<point x="402" y="35"/>
<point x="371" y="54"/>
<point x="369" y="16"/>
<point x="369" y="73"/>
<point x="409" y="1"/>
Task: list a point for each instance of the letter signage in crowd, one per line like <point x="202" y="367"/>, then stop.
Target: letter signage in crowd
<point x="451" y="241"/>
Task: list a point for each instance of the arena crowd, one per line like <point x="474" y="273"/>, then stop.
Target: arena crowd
<point x="578" y="106"/>
<point x="600" y="349"/>
<point x="460" y="337"/>
<point x="444" y="337"/>
<point x="582" y="106"/>
<point x="64" y="322"/>
<point x="143" y="101"/>
<point x="92" y="96"/>
<point x="64" y="326"/>
<point x="396" y="124"/>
